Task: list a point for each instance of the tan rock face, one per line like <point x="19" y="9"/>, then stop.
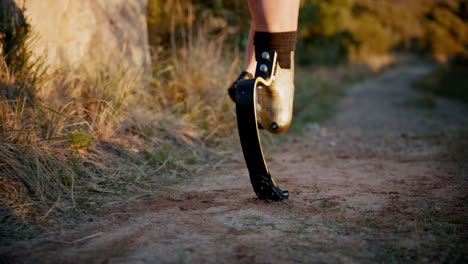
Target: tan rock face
<point x="71" y="32"/>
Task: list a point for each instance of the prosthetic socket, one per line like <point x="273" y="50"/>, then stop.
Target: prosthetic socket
<point x="275" y="90"/>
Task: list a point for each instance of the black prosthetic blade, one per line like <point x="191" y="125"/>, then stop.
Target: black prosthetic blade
<point x="263" y="184"/>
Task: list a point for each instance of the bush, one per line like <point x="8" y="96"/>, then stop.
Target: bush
<point x="449" y="80"/>
<point x="446" y="32"/>
<point x="356" y="30"/>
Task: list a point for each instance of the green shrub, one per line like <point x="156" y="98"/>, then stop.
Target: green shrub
<point x="449" y="80"/>
<point x="79" y="139"/>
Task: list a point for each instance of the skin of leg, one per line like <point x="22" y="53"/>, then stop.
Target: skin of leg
<point x="250" y="62"/>
<point x="274" y="15"/>
<point x="270" y="16"/>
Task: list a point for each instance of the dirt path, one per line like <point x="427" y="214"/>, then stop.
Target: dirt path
<point x="383" y="181"/>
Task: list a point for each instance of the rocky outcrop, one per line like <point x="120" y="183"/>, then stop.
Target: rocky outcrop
<point x="71" y="32"/>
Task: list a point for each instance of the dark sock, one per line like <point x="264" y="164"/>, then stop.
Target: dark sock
<point x="282" y="42"/>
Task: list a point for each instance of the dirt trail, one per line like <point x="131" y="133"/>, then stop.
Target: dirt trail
<point x="383" y="181"/>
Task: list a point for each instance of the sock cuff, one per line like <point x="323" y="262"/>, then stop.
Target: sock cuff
<point x="281" y="42"/>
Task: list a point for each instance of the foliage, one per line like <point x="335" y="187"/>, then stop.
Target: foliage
<point x="79" y="139"/>
<point x="449" y="80"/>
<point x="16" y="39"/>
<point x="330" y="31"/>
<point x="447" y="30"/>
<point x="14" y="32"/>
<point x="322" y="31"/>
<point x="172" y="22"/>
<point x="356" y="30"/>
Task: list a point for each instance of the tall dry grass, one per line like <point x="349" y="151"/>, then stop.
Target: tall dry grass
<point x="47" y="140"/>
<point x="98" y="134"/>
<point x="195" y="88"/>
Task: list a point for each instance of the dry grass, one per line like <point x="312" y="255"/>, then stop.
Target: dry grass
<point x="96" y="135"/>
<point x="193" y="86"/>
<point x="99" y="134"/>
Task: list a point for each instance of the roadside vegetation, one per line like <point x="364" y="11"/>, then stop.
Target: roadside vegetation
<point x="75" y="140"/>
<point x="449" y="80"/>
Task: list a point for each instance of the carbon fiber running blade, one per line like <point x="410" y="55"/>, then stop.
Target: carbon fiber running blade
<point x="263" y="185"/>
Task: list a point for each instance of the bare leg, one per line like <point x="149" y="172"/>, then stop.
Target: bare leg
<point x="274" y="15"/>
<point x="250" y="62"/>
<point x="270" y="16"/>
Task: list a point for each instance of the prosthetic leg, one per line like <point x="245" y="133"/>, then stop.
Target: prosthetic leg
<point x="256" y="103"/>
